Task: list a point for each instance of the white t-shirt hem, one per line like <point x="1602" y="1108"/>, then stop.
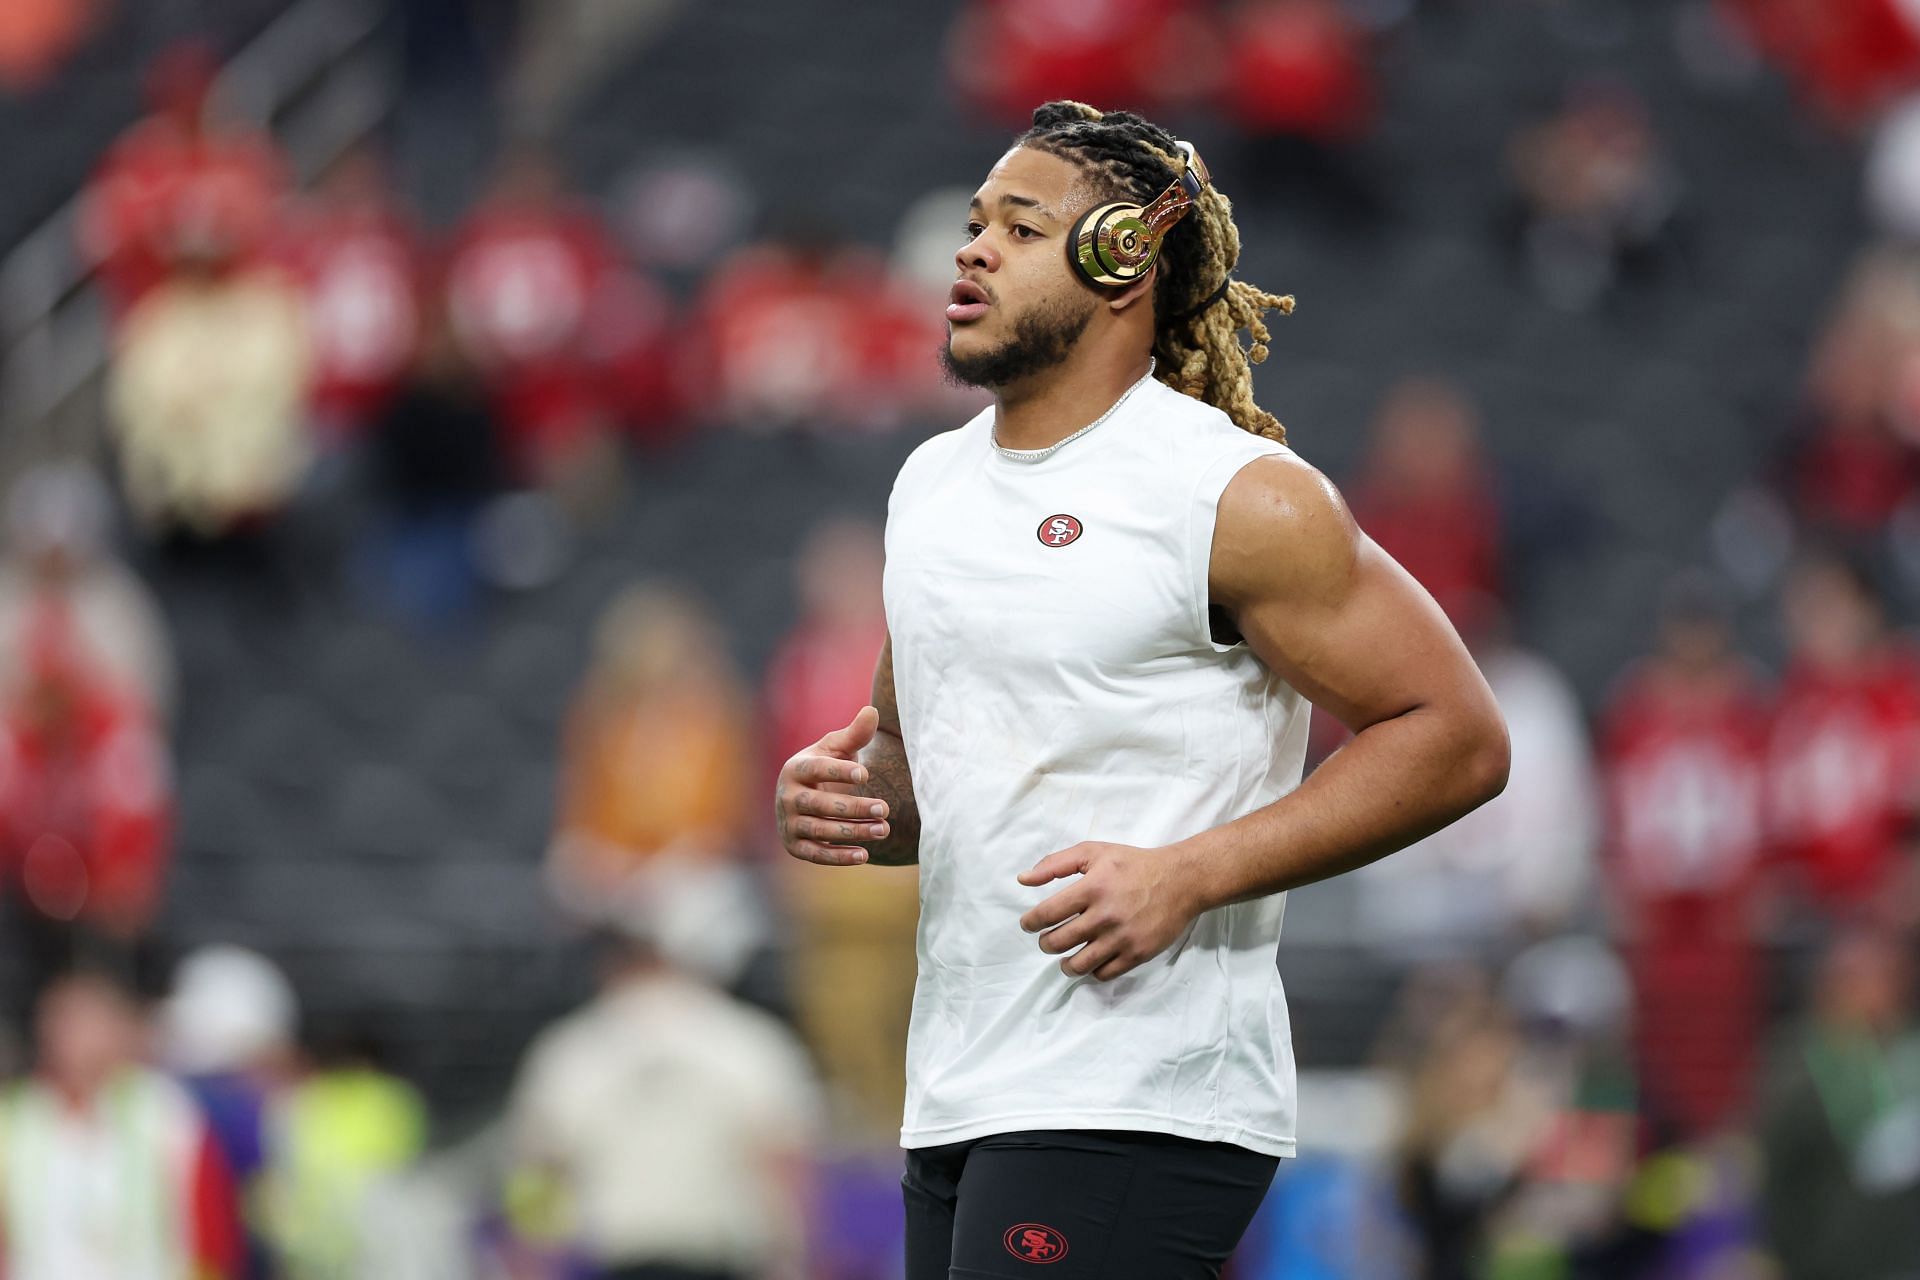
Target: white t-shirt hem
<point x="1271" y="1144"/>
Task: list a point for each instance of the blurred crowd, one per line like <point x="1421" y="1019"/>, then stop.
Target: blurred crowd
<point x="1655" y="1013"/>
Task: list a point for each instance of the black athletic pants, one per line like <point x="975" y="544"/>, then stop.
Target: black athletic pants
<point x="1083" y="1203"/>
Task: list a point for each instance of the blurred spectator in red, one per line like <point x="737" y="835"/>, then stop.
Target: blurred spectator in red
<point x="1839" y="1135"/>
<point x="206" y="392"/>
<point x="176" y="176"/>
<point x="806" y="329"/>
<point x="1842" y="765"/>
<point x="36" y="36"/>
<point x="356" y="255"/>
<point x="1849" y="57"/>
<point x="436" y="461"/>
<point x="1006" y="57"/>
<point x="108" y="1169"/>
<point x="1684" y="744"/>
<point x="853" y="959"/>
<point x="527" y="280"/>
<point x="1298" y="68"/>
<point x="1426" y="495"/>
<point x="1854" y="461"/>
<point x="822" y="671"/>
<point x="637" y="353"/>
<point x="58" y="555"/>
<point x="1595" y="194"/>
<point x="702" y="1172"/>
<point x="85" y="806"/>
<point x="658" y="757"/>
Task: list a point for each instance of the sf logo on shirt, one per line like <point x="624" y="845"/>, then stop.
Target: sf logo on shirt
<point x="1058" y="531"/>
<point x="1033" y="1242"/>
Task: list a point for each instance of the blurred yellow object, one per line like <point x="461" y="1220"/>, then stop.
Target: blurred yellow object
<point x="1666" y="1190"/>
<point x="339" y="1135"/>
<point x="538" y="1206"/>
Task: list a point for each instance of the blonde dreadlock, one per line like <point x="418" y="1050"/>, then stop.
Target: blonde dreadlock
<point x="1199" y="309"/>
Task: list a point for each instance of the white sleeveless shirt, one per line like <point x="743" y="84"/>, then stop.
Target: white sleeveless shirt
<point x="1057" y="682"/>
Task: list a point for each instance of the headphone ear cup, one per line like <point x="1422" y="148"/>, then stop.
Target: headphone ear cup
<point x="1112" y="245"/>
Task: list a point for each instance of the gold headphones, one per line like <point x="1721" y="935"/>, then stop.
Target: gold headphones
<point x="1115" y="244"/>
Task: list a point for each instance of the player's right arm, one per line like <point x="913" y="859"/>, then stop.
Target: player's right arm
<point x="848" y="798"/>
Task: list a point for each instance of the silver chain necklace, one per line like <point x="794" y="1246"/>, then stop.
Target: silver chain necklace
<point x="1036" y="455"/>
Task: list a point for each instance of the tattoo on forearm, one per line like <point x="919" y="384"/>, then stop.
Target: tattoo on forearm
<point x="889" y="779"/>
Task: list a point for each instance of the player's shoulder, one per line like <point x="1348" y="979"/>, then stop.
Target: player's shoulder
<point x="1283" y="527"/>
<point x="1188" y="434"/>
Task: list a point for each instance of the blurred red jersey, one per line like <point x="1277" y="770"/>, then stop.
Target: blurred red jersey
<point x="522" y="285"/>
<point x="160" y="186"/>
<point x="1685" y="764"/>
<point x="1841" y="771"/>
<point x="1685" y="767"/>
<point x="359" y="275"/>
<point x="1008" y="55"/>
<point x="1299" y="69"/>
<point x="1449" y="542"/>
<point x="1849" y="56"/>
<point x="85" y="800"/>
<point x="792" y="339"/>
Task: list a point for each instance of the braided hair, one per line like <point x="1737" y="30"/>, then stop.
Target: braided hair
<point x="1199" y="309"/>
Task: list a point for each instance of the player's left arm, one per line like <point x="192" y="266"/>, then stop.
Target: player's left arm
<point x="1339" y="620"/>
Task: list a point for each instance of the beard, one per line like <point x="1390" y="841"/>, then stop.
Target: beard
<point x="1043" y="337"/>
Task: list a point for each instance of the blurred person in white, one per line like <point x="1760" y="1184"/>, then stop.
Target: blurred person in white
<point x="58" y="551"/>
<point x="1840" y="1127"/>
<point x="227" y="1029"/>
<point x="674" y="1121"/>
<point x="854" y="954"/>
<point x="107" y="1169"/>
<point x="1521" y="864"/>
<point x="207" y="392"/>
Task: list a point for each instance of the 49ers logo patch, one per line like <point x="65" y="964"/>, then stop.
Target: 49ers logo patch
<point x="1058" y="531"/>
<point x="1032" y="1242"/>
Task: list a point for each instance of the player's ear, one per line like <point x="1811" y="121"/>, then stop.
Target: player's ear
<point x="1133" y="293"/>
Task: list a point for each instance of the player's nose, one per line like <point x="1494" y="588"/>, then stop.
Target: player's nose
<point x="977" y="254"/>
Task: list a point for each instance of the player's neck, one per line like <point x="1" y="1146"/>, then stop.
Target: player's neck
<point x="1045" y="410"/>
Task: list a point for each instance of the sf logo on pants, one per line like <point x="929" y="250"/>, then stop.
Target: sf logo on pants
<point x="1032" y="1242"/>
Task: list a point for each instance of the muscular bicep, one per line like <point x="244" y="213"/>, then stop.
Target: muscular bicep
<point x="1322" y="605"/>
